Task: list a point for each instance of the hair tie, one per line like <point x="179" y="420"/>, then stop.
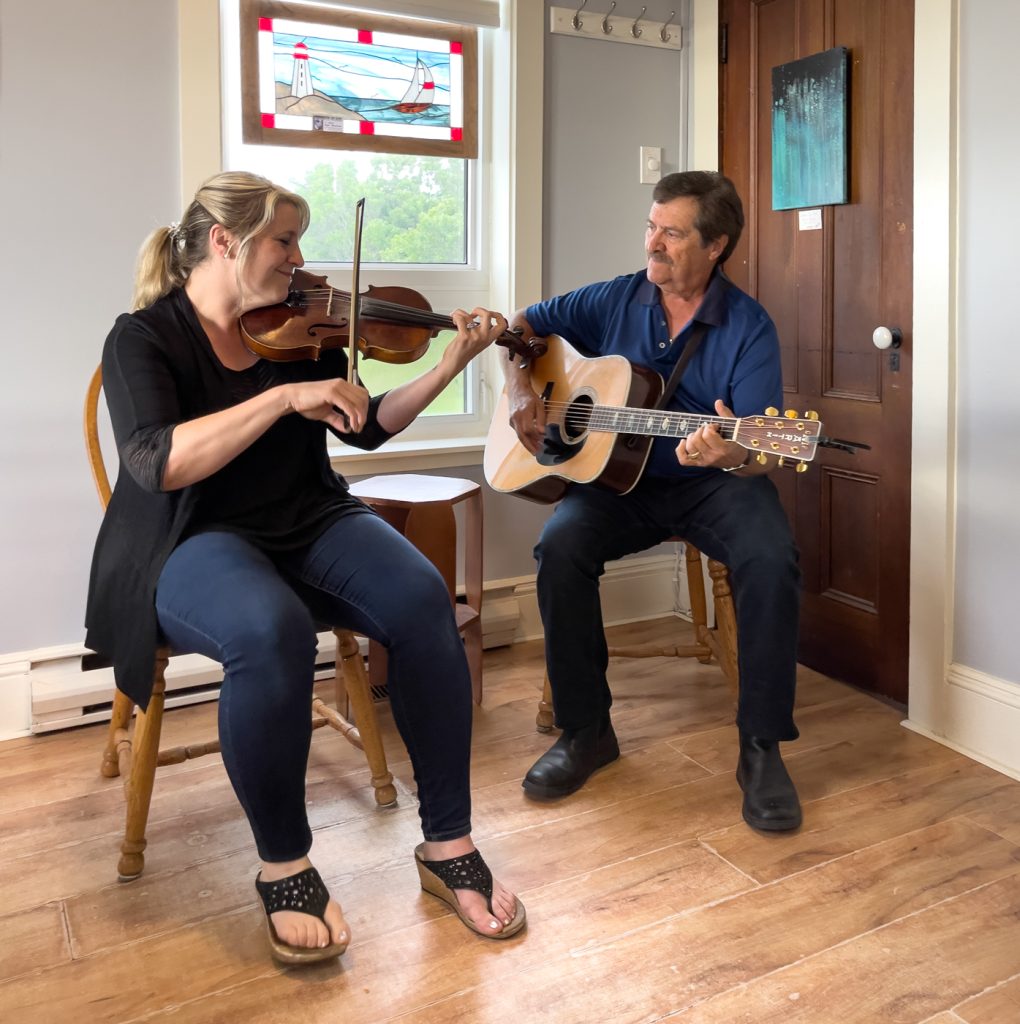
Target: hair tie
<point x="176" y="235"/>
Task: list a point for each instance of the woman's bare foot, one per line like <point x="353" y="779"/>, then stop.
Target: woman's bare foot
<point x="504" y="903"/>
<point x="304" y="930"/>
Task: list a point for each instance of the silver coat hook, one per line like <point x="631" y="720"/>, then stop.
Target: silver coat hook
<point x="663" y="34"/>
<point x="606" y="27"/>
<point x="575" y="20"/>
<point x="634" y="30"/>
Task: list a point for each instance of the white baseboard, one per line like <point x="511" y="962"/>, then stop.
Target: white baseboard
<point x="632" y="590"/>
<point x="982" y="714"/>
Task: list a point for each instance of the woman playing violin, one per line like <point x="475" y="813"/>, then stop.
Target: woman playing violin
<point x="228" y="534"/>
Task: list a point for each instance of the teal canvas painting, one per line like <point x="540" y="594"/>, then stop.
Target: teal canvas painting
<point x="809" y="131"/>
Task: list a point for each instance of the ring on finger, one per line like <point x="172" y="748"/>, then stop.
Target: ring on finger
<point x="693" y="455"/>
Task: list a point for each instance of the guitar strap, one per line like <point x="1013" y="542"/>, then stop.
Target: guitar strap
<point x="697" y="336"/>
<point x="698" y="333"/>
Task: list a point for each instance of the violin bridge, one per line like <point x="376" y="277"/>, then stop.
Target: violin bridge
<point x="329" y="303"/>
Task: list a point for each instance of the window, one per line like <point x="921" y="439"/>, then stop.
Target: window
<point x="421" y="228"/>
<point x="501" y="266"/>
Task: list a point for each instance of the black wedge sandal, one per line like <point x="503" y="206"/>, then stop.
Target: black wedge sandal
<point x="440" y="877"/>
<point x="303" y="893"/>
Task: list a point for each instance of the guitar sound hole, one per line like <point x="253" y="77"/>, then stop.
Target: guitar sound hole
<point x="577" y="417"/>
<point x="564" y="440"/>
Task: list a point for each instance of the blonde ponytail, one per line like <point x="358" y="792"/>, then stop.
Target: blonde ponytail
<point x="243" y="203"/>
<point x="154" y="276"/>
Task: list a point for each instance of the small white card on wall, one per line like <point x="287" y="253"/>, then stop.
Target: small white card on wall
<point x="810" y="220"/>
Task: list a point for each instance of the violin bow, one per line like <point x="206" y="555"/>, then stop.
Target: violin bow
<point x="354" y="325"/>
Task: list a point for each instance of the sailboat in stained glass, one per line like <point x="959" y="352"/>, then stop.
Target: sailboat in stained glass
<point x="421" y="92"/>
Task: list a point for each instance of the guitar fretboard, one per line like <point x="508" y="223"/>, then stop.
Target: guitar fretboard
<point x="648" y="422"/>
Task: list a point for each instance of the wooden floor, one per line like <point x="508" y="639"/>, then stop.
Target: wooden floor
<point x="648" y="898"/>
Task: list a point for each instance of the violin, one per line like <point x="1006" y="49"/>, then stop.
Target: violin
<point x="395" y="324"/>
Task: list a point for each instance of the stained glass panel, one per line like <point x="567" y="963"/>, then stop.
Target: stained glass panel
<point x="343" y="80"/>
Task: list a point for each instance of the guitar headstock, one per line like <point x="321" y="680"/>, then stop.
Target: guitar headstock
<point x="786" y="436"/>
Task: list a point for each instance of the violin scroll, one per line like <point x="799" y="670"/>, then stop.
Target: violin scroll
<point x="529" y="350"/>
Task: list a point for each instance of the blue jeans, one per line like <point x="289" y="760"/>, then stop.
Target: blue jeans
<point x="255" y="612"/>
<point x="738" y="521"/>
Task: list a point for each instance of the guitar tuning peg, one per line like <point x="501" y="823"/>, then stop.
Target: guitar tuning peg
<point x="811" y="415"/>
<point x="790" y="414"/>
<point x="771" y="411"/>
<point x="802" y="467"/>
<point x="761" y="458"/>
<point x="781" y="462"/>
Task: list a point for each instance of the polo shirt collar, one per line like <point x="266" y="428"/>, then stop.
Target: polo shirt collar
<point x="712" y="310"/>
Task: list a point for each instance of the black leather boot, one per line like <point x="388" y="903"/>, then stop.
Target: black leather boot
<point x="770" y="800"/>
<point x="566" y="766"/>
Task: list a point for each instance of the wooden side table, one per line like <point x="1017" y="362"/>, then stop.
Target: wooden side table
<point x="421" y="508"/>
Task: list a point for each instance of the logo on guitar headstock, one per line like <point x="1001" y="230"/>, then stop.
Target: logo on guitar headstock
<point x="785" y="436"/>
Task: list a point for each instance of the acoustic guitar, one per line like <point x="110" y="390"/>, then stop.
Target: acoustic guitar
<point x="600" y="427"/>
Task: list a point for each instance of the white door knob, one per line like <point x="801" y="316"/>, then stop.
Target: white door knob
<point x="887" y="337"/>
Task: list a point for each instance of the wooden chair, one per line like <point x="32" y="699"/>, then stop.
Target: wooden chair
<point x="135" y="757"/>
<point x="718" y="641"/>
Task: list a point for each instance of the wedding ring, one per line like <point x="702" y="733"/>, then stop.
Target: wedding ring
<point x="693" y="455"/>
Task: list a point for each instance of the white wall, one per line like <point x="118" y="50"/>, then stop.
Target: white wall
<point x="964" y="676"/>
<point x="988" y="343"/>
<point x="89" y="162"/>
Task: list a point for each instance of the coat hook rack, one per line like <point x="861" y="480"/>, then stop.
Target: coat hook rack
<point x="616" y="28"/>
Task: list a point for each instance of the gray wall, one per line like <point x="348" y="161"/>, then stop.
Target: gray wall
<point x="988" y="423"/>
<point x="89" y="161"/>
<point x="603" y="100"/>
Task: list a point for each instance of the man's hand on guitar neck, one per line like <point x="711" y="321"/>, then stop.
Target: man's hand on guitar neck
<point x="706" y="447"/>
<point x="527" y="410"/>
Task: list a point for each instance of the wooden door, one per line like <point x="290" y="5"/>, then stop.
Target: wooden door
<point x="828" y="290"/>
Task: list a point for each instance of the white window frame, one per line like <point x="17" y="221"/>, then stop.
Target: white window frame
<point x="504" y="245"/>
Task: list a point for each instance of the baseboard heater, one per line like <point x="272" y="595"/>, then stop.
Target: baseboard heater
<point x="78" y="690"/>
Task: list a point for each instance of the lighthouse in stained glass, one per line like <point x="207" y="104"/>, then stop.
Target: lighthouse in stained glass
<point x="301" y="81"/>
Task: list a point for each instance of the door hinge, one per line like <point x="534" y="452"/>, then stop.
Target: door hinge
<point x="724" y="34"/>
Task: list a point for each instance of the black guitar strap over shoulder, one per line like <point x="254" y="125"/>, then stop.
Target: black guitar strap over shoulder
<point x="698" y="333"/>
<point x="697" y="336"/>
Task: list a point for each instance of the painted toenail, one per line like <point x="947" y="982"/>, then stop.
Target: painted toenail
<point x="493" y="925"/>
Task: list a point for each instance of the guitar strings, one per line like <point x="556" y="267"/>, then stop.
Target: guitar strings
<point x="617" y="419"/>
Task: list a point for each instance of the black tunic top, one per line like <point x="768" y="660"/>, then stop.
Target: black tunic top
<point x="159" y="369"/>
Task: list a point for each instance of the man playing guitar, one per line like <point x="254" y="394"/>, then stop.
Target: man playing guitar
<point x="708" y="488"/>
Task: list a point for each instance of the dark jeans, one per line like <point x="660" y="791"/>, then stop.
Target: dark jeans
<point x="738" y="521"/>
<point x="255" y="613"/>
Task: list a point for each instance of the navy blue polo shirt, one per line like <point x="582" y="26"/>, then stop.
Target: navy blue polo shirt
<point x="738" y="360"/>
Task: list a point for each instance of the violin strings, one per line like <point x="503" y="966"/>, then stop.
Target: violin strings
<point x="409" y="315"/>
<point x="321" y="298"/>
